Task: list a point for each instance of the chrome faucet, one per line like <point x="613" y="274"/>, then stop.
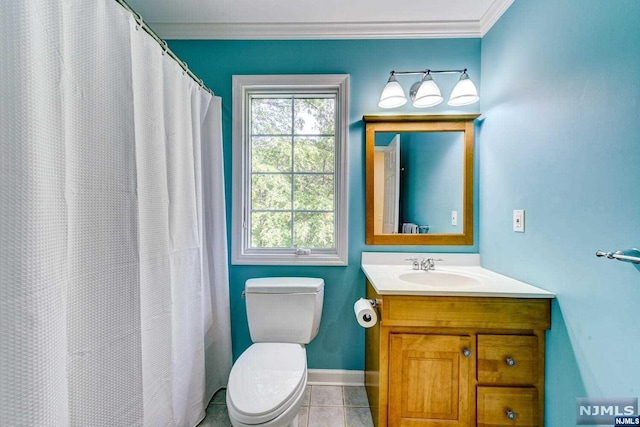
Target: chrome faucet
<point x="427" y="264"/>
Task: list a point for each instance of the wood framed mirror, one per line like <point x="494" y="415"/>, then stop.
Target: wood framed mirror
<point x="419" y="179"/>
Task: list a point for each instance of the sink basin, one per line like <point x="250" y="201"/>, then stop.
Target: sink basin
<point x="441" y="279"/>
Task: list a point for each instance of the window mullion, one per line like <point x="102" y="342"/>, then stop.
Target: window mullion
<point x="248" y="171"/>
<point x="293" y="162"/>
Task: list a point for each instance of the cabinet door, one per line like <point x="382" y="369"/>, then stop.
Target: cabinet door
<point x="429" y="380"/>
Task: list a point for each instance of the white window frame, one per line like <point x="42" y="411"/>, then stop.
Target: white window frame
<point x="243" y="88"/>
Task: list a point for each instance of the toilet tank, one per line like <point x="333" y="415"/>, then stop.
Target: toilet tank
<point x="284" y="309"/>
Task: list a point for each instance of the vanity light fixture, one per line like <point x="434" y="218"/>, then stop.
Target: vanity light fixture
<point x="426" y="93"/>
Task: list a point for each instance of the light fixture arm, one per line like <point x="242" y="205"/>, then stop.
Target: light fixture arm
<point x="427" y="71"/>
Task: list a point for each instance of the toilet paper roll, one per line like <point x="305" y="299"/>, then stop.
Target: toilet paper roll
<point x="365" y="313"/>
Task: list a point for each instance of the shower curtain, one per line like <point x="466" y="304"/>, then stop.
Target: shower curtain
<point x="114" y="306"/>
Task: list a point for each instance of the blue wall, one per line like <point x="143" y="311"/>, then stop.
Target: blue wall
<point x="340" y="342"/>
<point x="560" y="139"/>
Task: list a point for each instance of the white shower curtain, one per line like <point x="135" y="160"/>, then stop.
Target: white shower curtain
<point x="114" y="307"/>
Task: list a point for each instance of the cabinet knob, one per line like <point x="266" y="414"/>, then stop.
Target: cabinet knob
<point x="510" y="361"/>
<point x="466" y="352"/>
<point x="511" y="415"/>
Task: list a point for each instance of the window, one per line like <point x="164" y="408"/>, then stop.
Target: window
<point x="290" y="170"/>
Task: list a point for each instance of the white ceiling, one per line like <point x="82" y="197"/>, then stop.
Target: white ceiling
<point x="319" y="19"/>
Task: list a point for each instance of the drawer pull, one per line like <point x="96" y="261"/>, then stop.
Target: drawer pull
<point x="466" y="352"/>
<point x="510" y="361"/>
<point x="511" y="415"/>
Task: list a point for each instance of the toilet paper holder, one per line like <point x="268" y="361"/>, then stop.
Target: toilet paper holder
<point x="366" y="311"/>
<point x="375" y="302"/>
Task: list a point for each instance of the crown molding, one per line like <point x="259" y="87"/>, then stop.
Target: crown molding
<point x="309" y="31"/>
<point x="332" y="30"/>
<point x="493" y="13"/>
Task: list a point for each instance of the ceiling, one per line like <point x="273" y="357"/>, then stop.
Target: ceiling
<point x="319" y="19"/>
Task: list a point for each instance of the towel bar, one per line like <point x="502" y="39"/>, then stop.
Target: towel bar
<point x="628" y="255"/>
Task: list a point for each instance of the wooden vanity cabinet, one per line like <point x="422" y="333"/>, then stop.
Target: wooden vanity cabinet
<point x="456" y="361"/>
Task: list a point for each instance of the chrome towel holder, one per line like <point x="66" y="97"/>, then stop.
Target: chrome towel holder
<point x="628" y="255"/>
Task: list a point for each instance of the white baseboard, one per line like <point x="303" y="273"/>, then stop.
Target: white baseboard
<point x="335" y="377"/>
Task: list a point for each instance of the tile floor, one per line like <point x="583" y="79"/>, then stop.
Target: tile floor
<point x="322" y="406"/>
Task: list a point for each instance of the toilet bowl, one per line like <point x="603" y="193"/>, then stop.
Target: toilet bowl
<point x="267" y="382"/>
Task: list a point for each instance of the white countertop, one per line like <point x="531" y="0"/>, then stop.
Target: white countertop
<point x="383" y="269"/>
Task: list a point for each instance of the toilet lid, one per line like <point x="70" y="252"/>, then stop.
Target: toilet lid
<point x="264" y="378"/>
<point x="283" y="285"/>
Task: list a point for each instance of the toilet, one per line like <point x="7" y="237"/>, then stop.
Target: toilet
<point x="268" y="380"/>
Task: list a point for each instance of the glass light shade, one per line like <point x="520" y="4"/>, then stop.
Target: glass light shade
<point x="392" y="94"/>
<point x="464" y="93"/>
<point x="425" y="93"/>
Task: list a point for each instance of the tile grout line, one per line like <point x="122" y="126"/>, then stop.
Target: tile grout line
<point x="355" y="406"/>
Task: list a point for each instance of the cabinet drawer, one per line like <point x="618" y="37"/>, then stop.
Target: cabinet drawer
<point x="507" y="406"/>
<point x="508" y="359"/>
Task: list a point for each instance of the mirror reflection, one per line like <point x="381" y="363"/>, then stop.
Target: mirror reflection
<point x="419" y="176"/>
<point x="418" y="182"/>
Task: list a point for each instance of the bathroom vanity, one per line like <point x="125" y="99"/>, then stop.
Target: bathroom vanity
<point x="462" y="347"/>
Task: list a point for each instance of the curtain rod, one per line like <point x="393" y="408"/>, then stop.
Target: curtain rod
<point x="163" y="44"/>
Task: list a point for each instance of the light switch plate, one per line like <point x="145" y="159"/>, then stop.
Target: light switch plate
<point x="454" y="218"/>
<point x="518" y="221"/>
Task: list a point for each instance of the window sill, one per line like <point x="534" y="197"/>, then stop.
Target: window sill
<point x="326" y="260"/>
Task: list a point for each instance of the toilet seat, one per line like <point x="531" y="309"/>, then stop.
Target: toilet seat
<point x="265" y="381"/>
